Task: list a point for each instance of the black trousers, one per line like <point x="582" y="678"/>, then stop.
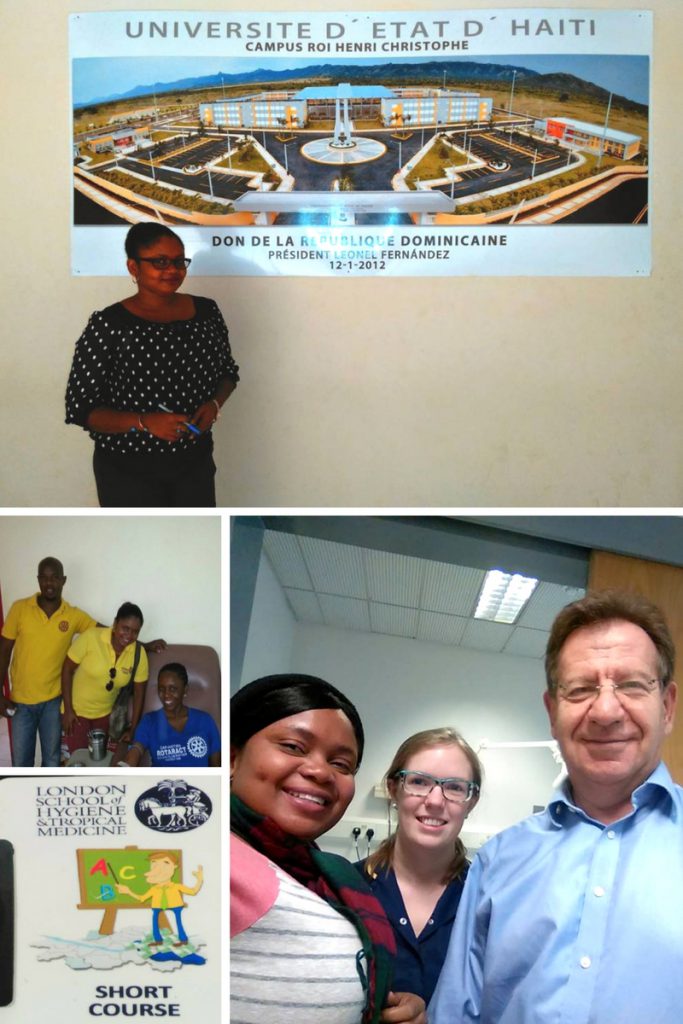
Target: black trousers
<point x="184" y="480"/>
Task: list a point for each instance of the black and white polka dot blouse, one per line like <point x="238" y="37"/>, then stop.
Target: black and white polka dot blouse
<point x="126" y="363"/>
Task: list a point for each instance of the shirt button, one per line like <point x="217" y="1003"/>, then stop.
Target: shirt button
<point x="403" y="920"/>
<point x="585" y="961"/>
<point x="598" y="891"/>
<point x="611" y="834"/>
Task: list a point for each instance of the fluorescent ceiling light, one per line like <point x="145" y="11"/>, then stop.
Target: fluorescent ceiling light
<point x="503" y="595"/>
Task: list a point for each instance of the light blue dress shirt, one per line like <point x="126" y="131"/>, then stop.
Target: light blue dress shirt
<point x="567" y="921"/>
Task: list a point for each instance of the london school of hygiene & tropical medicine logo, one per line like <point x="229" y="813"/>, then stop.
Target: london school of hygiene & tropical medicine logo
<point x="173" y="805"/>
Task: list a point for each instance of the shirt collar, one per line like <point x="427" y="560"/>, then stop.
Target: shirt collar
<point x="106" y="640"/>
<point x="658" y="784"/>
<point x="59" y="611"/>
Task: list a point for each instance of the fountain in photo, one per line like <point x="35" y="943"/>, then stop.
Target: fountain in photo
<point x="343" y="147"/>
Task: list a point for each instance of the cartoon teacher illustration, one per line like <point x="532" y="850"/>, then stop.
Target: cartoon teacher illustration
<point x="165" y="894"/>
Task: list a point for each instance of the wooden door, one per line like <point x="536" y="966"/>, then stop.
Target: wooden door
<point x="662" y="584"/>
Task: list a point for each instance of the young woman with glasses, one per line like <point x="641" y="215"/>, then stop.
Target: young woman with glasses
<point x="148" y="379"/>
<point x="418" y="873"/>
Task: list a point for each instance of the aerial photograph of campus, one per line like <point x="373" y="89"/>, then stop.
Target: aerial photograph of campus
<point x="499" y="140"/>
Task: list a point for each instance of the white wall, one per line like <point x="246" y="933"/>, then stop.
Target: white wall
<point x="359" y="392"/>
<point x="169" y="565"/>
<point x="271" y="628"/>
<point x="401" y="686"/>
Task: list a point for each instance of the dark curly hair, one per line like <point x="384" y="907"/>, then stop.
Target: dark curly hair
<point x="142" y="235"/>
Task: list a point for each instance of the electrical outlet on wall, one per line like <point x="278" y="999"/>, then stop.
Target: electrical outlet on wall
<point x="344" y="830"/>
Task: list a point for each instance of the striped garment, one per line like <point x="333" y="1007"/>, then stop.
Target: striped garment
<point x="296" y="964"/>
<point x="326" y="875"/>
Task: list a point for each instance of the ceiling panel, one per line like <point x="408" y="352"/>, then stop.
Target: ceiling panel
<point x="287" y="560"/>
<point x="335" y="568"/>
<point x="394" y="579"/>
<point x="375" y="591"/>
<point x="305" y="605"/>
<point x="442" y="629"/>
<point x="486" y="636"/>
<point x="391" y="618"/>
<point x="345" y="612"/>
<point x="546" y="601"/>
<point x="528" y="643"/>
<point x="451" y="588"/>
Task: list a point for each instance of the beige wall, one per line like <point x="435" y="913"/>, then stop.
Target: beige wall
<point x="465" y="391"/>
<point x="168" y="565"/>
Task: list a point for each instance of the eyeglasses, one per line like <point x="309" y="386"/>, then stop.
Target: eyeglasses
<point x="630" y="691"/>
<point x="112" y="677"/>
<point x="163" y="262"/>
<point x="421" y="784"/>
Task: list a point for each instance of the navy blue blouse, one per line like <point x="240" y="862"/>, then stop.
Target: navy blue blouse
<point x="419" y="958"/>
<point x="123" y="361"/>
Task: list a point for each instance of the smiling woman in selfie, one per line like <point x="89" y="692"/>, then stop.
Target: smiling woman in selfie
<point x="309" y="941"/>
<point x="148" y="379"/>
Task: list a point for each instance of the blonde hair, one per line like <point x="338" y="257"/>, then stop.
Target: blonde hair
<point x="383" y="856"/>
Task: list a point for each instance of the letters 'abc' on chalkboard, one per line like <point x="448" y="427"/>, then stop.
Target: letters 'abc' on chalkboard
<point x="100" y="871"/>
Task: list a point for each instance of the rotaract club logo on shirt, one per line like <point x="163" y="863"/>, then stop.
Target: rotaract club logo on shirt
<point x="197" y="746"/>
<point x="64" y="626"/>
<point x="173" y="805"/>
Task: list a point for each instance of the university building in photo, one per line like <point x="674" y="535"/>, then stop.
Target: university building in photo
<point x="411" y="107"/>
<point x="593" y="137"/>
<point x="124" y="141"/>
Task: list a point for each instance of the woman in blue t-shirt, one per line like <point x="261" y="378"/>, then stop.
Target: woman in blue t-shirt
<point x="175" y="735"/>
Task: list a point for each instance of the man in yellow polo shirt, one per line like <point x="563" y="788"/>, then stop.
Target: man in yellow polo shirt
<point x="36" y="635"/>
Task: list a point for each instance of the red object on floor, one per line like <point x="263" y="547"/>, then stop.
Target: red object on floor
<point x="5" y="683"/>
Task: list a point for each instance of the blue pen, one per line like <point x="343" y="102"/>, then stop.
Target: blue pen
<point x="190" y="426"/>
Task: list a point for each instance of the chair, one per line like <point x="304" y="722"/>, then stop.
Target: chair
<point x="204" y="671"/>
<point x="204" y="687"/>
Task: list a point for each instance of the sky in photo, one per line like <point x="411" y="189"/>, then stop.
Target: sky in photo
<point x="98" y="77"/>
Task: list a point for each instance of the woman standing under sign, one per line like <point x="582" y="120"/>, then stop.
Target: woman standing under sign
<point x="148" y="380"/>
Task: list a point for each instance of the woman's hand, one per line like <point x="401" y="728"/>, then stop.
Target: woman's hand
<point x="68" y="721"/>
<point x="168" y="426"/>
<point x="205" y="416"/>
<point x="155" y="646"/>
<point x="404" y="1008"/>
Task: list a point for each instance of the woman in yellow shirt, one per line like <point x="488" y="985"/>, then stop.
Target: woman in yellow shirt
<point x="99" y="663"/>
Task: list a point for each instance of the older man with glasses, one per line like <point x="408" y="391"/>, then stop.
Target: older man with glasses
<point x="575" y="915"/>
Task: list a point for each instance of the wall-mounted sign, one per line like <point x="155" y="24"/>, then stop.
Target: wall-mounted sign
<point x="116" y="897"/>
<point x="439" y="143"/>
